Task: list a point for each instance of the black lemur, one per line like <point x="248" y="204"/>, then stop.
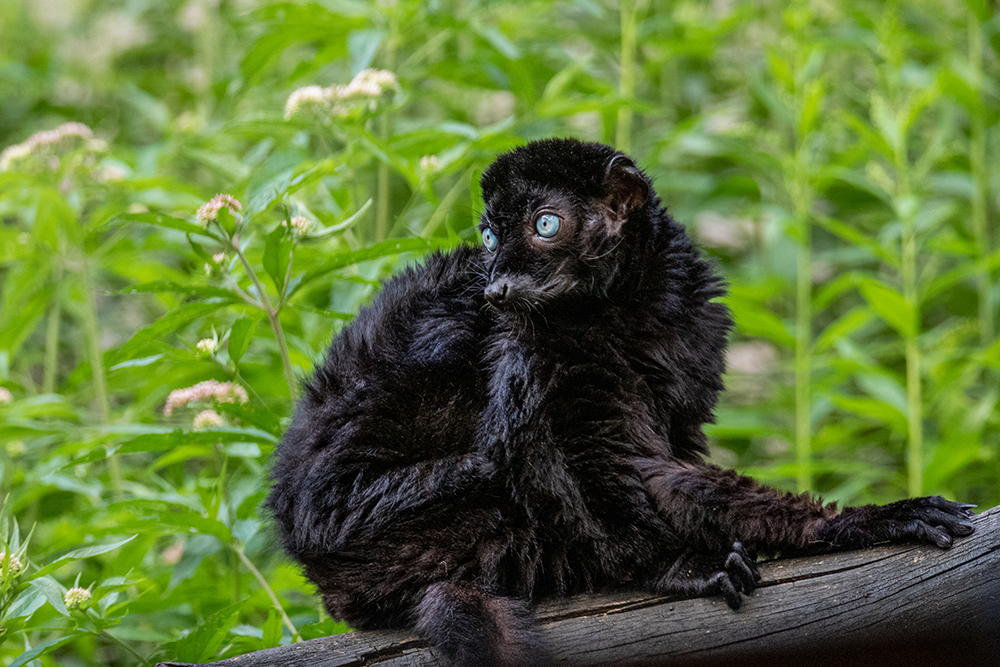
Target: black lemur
<point x="524" y="419"/>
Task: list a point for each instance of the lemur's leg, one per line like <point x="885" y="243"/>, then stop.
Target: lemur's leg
<point x="701" y="573"/>
<point x="715" y="508"/>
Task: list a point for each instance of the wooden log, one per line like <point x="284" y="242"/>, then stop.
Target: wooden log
<point x="904" y="604"/>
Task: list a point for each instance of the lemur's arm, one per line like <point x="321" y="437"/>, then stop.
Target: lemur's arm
<point x="715" y="507"/>
<point x="349" y="494"/>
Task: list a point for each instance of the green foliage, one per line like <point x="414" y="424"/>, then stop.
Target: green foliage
<point x="837" y="159"/>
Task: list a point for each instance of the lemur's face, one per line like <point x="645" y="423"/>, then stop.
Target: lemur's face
<point x="554" y="217"/>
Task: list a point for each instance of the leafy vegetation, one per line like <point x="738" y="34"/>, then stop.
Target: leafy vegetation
<point x="837" y="158"/>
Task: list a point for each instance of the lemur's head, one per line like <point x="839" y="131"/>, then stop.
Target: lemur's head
<point x="557" y="211"/>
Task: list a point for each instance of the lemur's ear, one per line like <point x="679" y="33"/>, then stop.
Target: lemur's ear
<point x="626" y="188"/>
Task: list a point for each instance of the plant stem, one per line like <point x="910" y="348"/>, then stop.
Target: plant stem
<point x="626" y="84"/>
<point x="441" y="212"/>
<point x="382" y="203"/>
<point x="97" y="363"/>
<point x="385" y="130"/>
<point x="126" y="647"/>
<point x="977" y="165"/>
<point x="272" y="318"/>
<point x="801" y="193"/>
<point x="803" y="340"/>
<point x="52" y="332"/>
<point x="267" y="589"/>
<point x="93" y="617"/>
<point x="286" y="362"/>
<point x="908" y="264"/>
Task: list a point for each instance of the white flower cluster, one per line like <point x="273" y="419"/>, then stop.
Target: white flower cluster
<point x="210" y="211"/>
<point x="14" y="567"/>
<point x="430" y="163"/>
<point x="76" y="598"/>
<point x="5" y="395"/>
<point x="300" y="224"/>
<point x="207" y="419"/>
<point x="311" y="99"/>
<point x="64" y="137"/>
<point x="365" y="91"/>
<point x="218" y="259"/>
<point x="223" y="392"/>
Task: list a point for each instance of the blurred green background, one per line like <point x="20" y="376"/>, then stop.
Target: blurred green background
<point x="838" y="160"/>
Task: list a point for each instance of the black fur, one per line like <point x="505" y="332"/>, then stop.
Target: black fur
<point x="502" y="426"/>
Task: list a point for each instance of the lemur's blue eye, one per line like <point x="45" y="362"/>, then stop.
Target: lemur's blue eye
<point x="490" y="239"/>
<point x="547" y="225"/>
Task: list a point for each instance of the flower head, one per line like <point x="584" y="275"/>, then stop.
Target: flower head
<point x="366" y="91"/>
<point x="15" y="448"/>
<point x="430" y="163"/>
<point x="207" y="419"/>
<point x="207" y="346"/>
<point x="76" y="598"/>
<point x="210" y="211"/>
<point x="5" y="395"/>
<point x="50" y="143"/>
<point x="311" y="99"/>
<point x="217" y="260"/>
<point x="372" y="83"/>
<point x="14" y="567"/>
<point x="222" y="392"/>
<point x="300" y="224"/>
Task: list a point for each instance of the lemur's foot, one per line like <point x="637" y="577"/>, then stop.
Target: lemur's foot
<point x="932" y="519"/>
<point x="730" y="575"/>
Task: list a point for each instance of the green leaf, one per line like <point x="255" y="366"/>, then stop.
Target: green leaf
<point x="240" y="336"/>
<point x="284" y="24"/>
<point x="250" y="504"/>
<point x="165" y="286"/>
<point x="277" y="254"/>
<point x="812" y="105"/>
<point x="941" y="283"/>
<point x="890" y="306"/>
<point x="155" y="442"/>
<point x="138" y="363"/>
<point x="52" y="591"/>
<point x="362" y="45"/>
<point x="46" y="646"/>
<point x="856" y="238"/>
<point x="883" y="387"/>
<point x="843" y="326"/>
<point x="336" y="228"/>
<point x="158" y="330"/>
<point x="194" y="522"/>
<point x="272" y="629"/>
<point x="25" y="300"/>
<point x="79" y="554"/>
<point x="54" y="219"/>
<point x="781" y="70"/>
<point x="873" y="409"/>
<point x="383" y="249"/>
<point x="888" y="123"/>
<point x="162" y="220"/>
<point x="29" y="600"/>
<point x="498" y="41"/>
<point x="226" y="220"/>
<point x="203" y="643"/>
<point x="753" y="320"/>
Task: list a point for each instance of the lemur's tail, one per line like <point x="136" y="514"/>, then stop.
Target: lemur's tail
<point x="472" y="628"/>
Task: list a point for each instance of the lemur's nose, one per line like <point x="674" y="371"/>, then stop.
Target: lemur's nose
<point x="496" y="292"/>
